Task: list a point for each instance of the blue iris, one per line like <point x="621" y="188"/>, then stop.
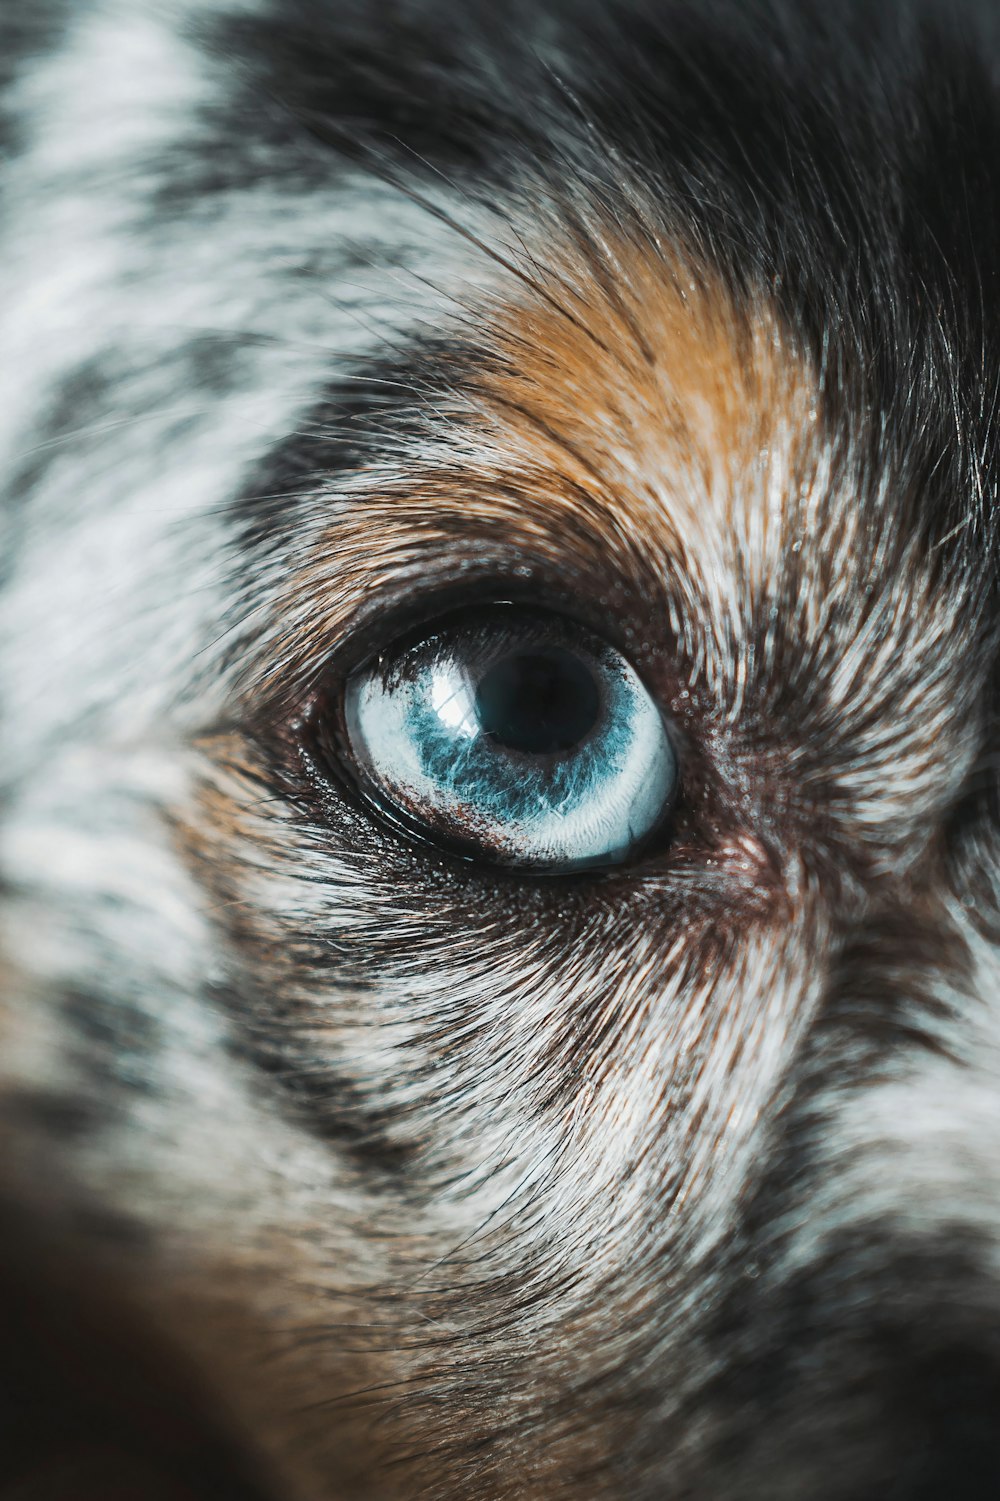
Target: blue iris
<point x="516" y="736"/>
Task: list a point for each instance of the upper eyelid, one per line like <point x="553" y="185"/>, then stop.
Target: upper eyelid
<point x="633" y="624"/>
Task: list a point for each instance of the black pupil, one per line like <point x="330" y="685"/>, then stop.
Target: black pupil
<point x="538" y="702"/>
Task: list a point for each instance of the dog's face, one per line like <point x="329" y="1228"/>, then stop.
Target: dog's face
<point x="500" y="934"/>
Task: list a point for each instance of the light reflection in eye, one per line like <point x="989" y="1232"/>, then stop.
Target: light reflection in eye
<point x="453" y="702"/>
<point x="515" y="736"/>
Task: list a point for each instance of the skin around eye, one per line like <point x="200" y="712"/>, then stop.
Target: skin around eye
<point x="515" y="737"/>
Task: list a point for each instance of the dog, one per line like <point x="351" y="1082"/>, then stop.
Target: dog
<point x="500" y="847"/>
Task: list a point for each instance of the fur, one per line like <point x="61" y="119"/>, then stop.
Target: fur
<point x="678" y="1180"/>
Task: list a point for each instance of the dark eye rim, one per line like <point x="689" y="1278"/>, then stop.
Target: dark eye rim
<point x="331" y="766"/>
<point x="414" y="605"/>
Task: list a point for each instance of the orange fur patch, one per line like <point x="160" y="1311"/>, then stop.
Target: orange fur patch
<point x="625" y="418"/>
<point x="653" y="383"/>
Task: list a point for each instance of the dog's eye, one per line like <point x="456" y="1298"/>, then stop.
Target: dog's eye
<point x="514" y="736"/>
